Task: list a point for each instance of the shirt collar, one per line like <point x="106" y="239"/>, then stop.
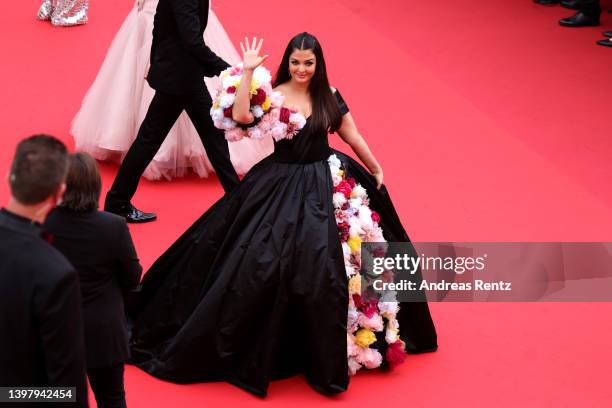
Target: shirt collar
<point x="18" y="223"/>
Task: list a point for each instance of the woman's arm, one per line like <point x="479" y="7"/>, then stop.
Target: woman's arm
<point x="241" y="112"/>
<point x="350" y="134"/>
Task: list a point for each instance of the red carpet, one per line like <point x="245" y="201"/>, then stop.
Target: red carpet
<point x="491" y="122"/>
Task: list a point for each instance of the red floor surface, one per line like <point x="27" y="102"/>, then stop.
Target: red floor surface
<point x="491" y="122"/>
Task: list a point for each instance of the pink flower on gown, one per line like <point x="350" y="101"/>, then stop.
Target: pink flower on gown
<point x="117" y="101"/>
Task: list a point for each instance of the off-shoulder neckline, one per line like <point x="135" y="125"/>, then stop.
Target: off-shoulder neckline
<point x="334" y="92"/>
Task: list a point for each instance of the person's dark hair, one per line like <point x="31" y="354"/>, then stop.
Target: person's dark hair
<point x="326" y="114"/>
<point x="83" y="183"/>
<point x="38" y="169"/>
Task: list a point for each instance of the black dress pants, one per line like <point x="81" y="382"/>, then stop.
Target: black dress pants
<point x="591" y="8"/>
<point x="107" y="386"/>
<point x="164" y="110"/>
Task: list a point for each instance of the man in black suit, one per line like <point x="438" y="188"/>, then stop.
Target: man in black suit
<point x="41" y="333"/>
<point x="179" y="62"/>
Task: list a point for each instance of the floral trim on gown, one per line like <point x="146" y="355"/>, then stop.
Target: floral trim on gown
<point x="257" y="289"/>
<point x="117" y="102"/>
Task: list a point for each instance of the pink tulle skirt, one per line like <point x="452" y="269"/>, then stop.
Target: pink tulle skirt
<point x="115" y="105"/>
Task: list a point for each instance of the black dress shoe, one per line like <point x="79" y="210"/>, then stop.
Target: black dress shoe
<point x="571" y="4"/>
<point x="546" y="2"/>
<point x="130" y="213"/>
<point x="605" y="43"/>
<point x="580" y="20"/>
<point x="607" y="34"/>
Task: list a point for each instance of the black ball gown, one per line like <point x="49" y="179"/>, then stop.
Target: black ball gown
<point x="256" y="288"/>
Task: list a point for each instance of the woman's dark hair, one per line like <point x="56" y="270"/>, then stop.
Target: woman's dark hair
<point x="83" y="183"/>
<point x="326" y="114"/>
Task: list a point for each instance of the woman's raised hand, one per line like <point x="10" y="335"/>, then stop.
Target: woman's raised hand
<point x="250" y="53"/>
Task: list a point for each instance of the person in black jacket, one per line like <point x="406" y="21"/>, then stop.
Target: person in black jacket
<point x="179" y="62"/>
<point x="100" y="247"/>
<point x="41" y="333"/>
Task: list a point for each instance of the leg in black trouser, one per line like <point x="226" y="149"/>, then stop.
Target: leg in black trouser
<point x="587" y="15"/>
<point x="591" y="8"/>
<point x="107" y="386"/>
<point x="163" y="112"/>
<point x="198" y="108"/>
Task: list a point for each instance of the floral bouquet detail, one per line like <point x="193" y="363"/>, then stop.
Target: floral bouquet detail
<point x="260" y="92"/>
<point x="271" y="118"/>
<point x="281" y="122"/>
<point x="368" y="312"/>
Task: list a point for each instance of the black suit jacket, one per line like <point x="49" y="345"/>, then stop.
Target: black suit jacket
<point x="100" y="247"/>
<point x="41" y="333"/>
<point x="179" y="58"/>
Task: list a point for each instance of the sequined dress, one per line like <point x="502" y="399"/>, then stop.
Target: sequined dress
<point x="64" y="12"/>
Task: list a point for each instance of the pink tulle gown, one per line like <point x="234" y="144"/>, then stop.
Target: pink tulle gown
<point x="116" y="104"/>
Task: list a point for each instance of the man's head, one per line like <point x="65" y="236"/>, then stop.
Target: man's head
<point x="38" y="171"/>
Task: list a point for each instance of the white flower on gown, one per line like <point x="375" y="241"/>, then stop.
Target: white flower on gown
<point x="117" y="102"/>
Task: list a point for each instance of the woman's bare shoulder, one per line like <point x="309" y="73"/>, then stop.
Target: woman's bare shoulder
<point x="282" y="88"/>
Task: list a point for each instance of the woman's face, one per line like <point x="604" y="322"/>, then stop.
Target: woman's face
<point x="302" y="65"/>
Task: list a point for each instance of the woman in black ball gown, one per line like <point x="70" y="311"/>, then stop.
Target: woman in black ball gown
<point x="256" y="288"/>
